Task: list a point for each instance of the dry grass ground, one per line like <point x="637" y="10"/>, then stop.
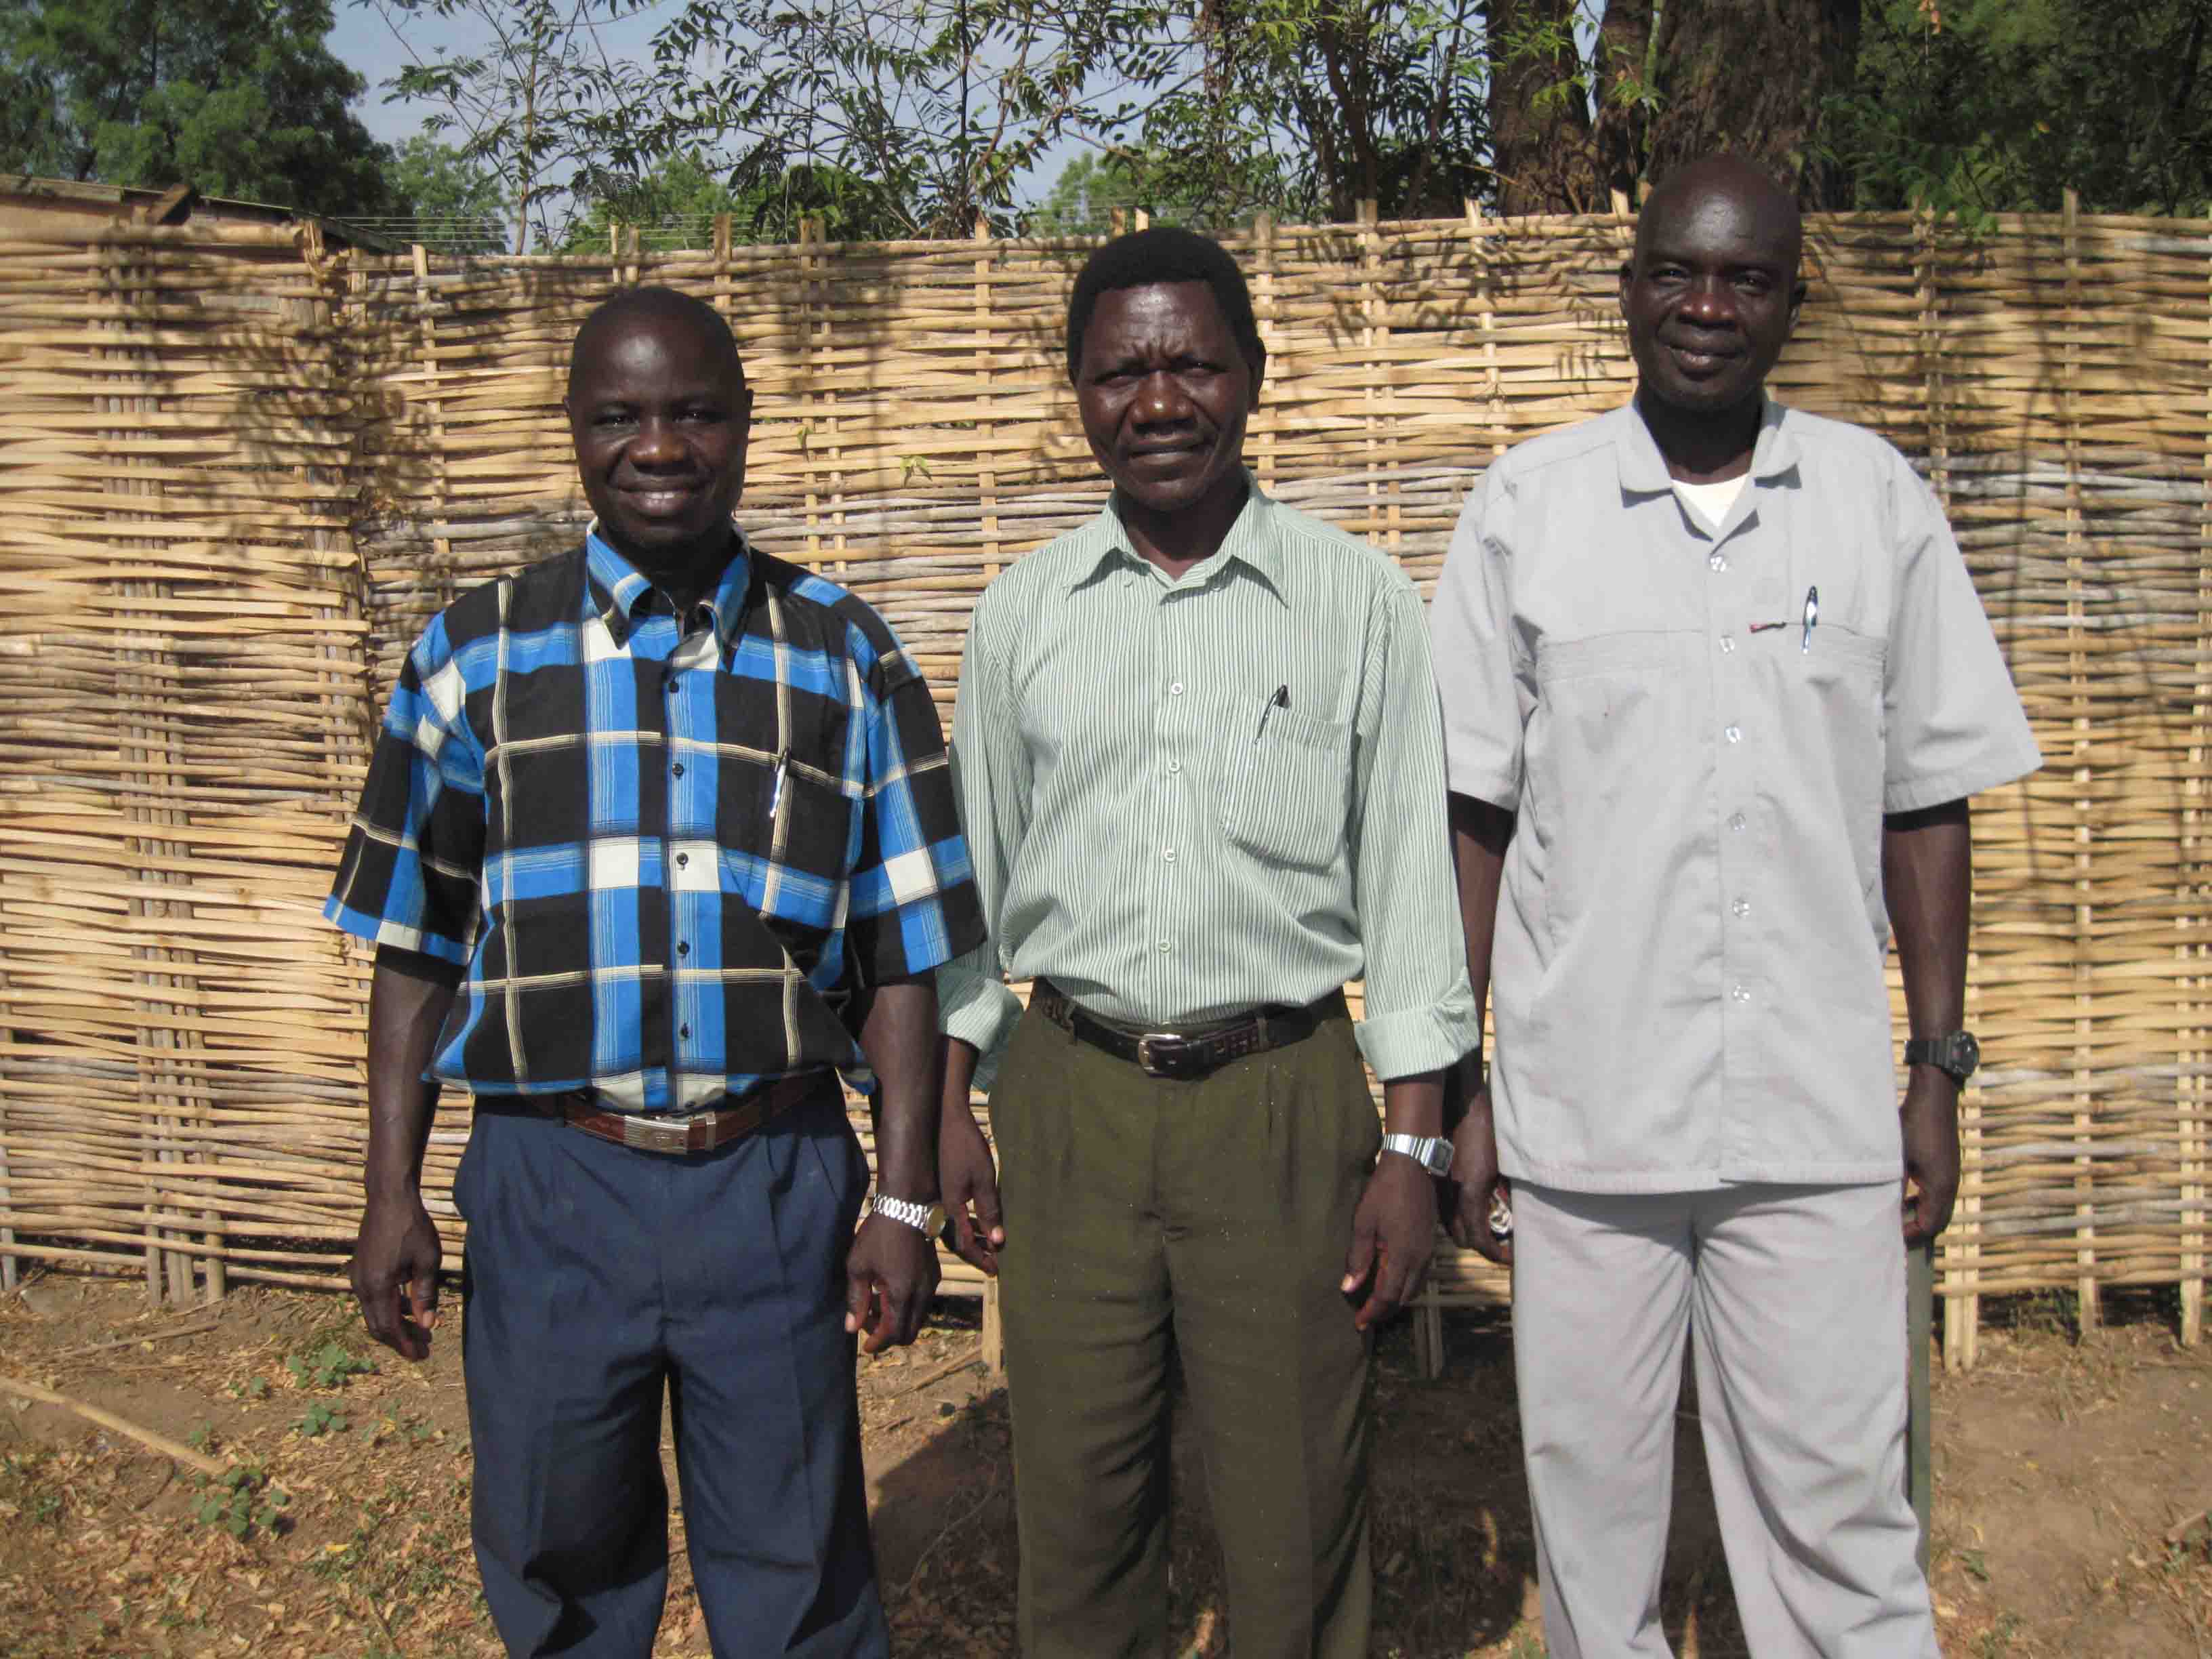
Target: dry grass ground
<point x="2062" y="1465"/>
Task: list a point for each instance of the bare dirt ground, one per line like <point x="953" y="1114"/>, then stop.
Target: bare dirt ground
<point x="2068" y="1474"/>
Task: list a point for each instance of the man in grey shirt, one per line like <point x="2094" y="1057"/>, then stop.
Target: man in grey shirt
<point x="1716" y="688"/>
<point x="1201" y="767"/>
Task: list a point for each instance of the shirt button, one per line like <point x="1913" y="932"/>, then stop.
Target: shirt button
<point x="683" y="1030"/>
<point x="1168" y="853"/>
<point x="1175" y="690"/>
<point x="1741" y="907"/>
<point x="1741" y="994"/>
<point x="682" y="950"/>
<point x="1175" y="766"/>
<point x="684" y="860"/>
<point x="1736" y="822"/>
<point x="668" y="683"/>
<point x="1718" y="561"/>
<point x="1166" y="947"/>
<point x="676" y="770"/>
<point x="1734" y="734"/>
<point x="1727" y="645"/>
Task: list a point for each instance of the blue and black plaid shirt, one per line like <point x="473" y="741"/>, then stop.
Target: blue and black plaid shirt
<point x="665" y="849"/>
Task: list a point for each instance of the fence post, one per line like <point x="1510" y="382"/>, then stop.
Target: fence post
<point x="1268" y="315"/>
<point x="2077" y="672"/>
<point x="2192" y="1091"/>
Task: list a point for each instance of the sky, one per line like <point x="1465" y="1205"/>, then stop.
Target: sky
<point x="365" y="40"/>
<point x="366" y="43"/>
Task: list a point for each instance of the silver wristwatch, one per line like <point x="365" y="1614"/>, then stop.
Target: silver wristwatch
<point x="928" y="1219"/>
<point x="1432" y="1153"/>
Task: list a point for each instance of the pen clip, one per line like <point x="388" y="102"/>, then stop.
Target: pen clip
<point x="775" y="789"/>
<point x="1812" y="615"/>
<point x="1280" y="700"/>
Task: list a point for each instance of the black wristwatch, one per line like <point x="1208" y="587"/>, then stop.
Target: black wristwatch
<point x="1957" y="1054"/>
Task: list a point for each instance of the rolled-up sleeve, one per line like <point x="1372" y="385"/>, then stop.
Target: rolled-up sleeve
<point x="990" y="769"/>
<point x="1471" y="637"/>
<point x="1419" y="1008"/>
<point x="1954" y="726"/>
<point x="410" y="875"/>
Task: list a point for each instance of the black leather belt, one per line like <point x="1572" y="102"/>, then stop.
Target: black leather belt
<point x="1190" y="1053"/>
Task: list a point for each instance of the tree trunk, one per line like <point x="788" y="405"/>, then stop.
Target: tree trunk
<point x="1751" y="77"/>
<point x="1540" y="126"/>
<point x="1621" y="66"/>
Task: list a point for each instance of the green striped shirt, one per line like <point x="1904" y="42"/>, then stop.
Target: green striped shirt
<point x="1186" y="798"/>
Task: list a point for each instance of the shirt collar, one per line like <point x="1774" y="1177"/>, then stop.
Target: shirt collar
<point x="1644" y="469"/>
<point x="1252" y="542"/>
<point x="615" y="588"/>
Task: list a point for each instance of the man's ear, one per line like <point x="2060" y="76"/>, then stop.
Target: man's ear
<point x="1256" y="361"/>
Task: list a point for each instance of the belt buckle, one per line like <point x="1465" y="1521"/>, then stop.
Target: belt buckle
<point x="1148" y="1059"/>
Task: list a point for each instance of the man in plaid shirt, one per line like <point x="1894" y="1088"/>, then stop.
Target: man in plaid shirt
<point x="659" y="837"/>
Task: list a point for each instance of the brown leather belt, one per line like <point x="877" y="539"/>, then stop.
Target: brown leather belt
<point x="1189" y="1053"/>
<point x="693" y="1131"/>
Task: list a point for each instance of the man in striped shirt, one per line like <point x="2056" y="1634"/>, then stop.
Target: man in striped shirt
<point x="652" y="829"/>
<point x="1201" y="767"/>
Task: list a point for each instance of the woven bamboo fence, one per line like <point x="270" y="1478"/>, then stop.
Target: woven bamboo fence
<point x="239" y="470"/>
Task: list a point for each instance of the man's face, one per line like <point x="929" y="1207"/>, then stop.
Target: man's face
<point x="661" y="417"/>
<point x="1164" y="393"/>
<point x="1710" y="297"/>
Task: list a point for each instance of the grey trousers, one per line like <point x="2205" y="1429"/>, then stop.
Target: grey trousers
<point x="1794" y="1299"/>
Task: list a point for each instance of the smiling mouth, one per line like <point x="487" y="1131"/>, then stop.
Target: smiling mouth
<point x="660" y="500"/>
<point x="1701" y="359"/>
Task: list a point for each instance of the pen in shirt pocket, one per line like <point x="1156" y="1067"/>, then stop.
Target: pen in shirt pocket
<point x="775" y="789"/>
<point x="1280" y="700"/>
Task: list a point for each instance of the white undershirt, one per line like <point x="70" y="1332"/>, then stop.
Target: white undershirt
<point x="1712" y="502"/>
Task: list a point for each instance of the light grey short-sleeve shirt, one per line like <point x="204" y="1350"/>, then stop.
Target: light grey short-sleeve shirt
<point x="1687" y="971"/>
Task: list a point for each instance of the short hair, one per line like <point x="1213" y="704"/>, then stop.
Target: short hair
<point x="665" y="304"/>
<point x="1164" y="253"/>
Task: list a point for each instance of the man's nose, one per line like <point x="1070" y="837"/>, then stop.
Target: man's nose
<point x="1711" y="303"/>
<point x="1161" y="399"/>
<point x="656" y="444"/>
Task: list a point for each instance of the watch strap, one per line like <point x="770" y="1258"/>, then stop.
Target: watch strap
<point x="1957" y="1053"/>
<point x="918" y="1216"/>
<point x="1432" y="1152"/>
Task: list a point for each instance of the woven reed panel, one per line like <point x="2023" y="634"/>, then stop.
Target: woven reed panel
<point x="183" y="704"/>
<point x="200" y="424"/>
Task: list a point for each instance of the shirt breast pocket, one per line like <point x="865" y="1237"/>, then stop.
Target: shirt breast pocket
<point x="1286" y="777"/>
<point x="792" y="865"/>
<point x="1844" y="672"/>
<point x="1604" y="759"/>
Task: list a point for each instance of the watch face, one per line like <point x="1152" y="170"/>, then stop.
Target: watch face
<point x="1966" y="1054"/>
<point x="934" y="1222"/>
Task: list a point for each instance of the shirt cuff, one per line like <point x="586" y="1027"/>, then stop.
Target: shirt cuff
<point x="1913" y="794"/>
<point x="1478" y="780"/>
<point x="1418" y="1040"/>
<point x="377" y="931"/>
<point x="980" y="1010"/>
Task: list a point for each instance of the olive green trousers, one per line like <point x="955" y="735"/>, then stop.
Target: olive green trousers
<point x="1148" y="1219"/>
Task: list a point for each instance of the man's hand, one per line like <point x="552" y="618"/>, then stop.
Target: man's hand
<point x="1929" y="1119"/>
<point x="890" y="1273"/>
<point x="395" y="1274"/>
<point x="1474" y="1180"/>
<point x="967" y="1176"/>
<point x="1393" y="1232"/>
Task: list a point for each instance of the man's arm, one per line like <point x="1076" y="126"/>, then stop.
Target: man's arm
<point x="1419" y="1020"/>
<point x="1927" y="873"/>
<point x="1481" y="833"/>
<point x="891" y="1271"/>
<point x="396" y="1253"/>
<point x="979" y="1009"/>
